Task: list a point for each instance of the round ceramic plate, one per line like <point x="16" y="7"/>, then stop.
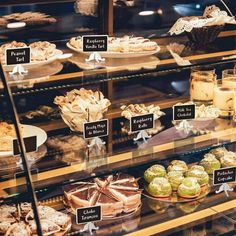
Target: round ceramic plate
<point x="118" y="54"/>
<point x="58" y="53"/>
<point x="30" y="130"/>
<point x="174" y="198"/>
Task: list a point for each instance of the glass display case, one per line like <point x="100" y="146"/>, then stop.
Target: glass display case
<point x="136" y="139"/>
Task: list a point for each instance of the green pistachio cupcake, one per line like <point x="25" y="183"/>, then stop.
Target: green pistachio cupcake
<point x="228" y="160"/>
<point x="177" y="165"/>
<point x="197" y="167"/>
<point x="175" y="179"/>
<point x="189" y="188"/>
<point x="210" y="163"/>
<point x="153" y="172"/>
<point x="219" y="152"/>
<point x="201" y="175"/>
<point x="159" y="187"/>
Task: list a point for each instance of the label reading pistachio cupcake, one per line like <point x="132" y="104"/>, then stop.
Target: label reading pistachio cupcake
<point x="224" y="175"/>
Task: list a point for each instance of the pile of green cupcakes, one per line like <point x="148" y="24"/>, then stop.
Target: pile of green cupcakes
<point x="217" y="158"/>
<point x="177" y="178"/>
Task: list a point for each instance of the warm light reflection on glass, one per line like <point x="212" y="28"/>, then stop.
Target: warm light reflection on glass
<point x="146" y="13"/>
<point x="159" y="11"/>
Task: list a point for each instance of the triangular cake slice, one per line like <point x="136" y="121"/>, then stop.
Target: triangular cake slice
<point x="84" y="198"/>
<point x="131" y="199"/>
<point x="110" y="205"/>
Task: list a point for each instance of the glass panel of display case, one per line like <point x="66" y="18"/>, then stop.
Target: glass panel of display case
<point x="123" y="143"/>
<point x="47" y="21"/>
<point x="154" y="18"/>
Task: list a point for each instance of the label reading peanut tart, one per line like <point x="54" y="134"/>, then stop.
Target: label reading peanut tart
<point x="143" y="122"/>
<point x="96" y="129"/>
<point x="224" y="175"/>
<point x="95" y="43"/>
<point x="88" y="214"/>
<point x="16" y="56"/>
<point x="30" y="145"/>
<point x="184" y="112"/>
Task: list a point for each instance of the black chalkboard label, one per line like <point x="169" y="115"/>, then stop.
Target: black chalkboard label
<point x="95" y="43"/>
<point x="88" y="214"/>
<point x="184" y="112"/>
<point x="30" y="145"/>
<point x="96" y="129"/>
<point x="16" y="56"/>
<point x="143" y="122"/>
<point x="224" y="175"/>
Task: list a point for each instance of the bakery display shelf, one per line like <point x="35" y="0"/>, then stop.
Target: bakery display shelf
<point x="76" y="76"/>
<point x="153" y="217"/>
<point x="47" y="176"/>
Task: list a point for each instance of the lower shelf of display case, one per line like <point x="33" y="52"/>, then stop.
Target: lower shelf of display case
<point x="158" y="217"/>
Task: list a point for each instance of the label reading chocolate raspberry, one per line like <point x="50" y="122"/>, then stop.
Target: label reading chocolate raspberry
<point x="16" y="56"/>
<point x="95" y="43"/>
<point x="88" y="214"/>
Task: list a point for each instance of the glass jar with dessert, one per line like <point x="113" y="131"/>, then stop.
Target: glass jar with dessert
<point x="202" y="85"/>
<point x="229" y="77"/>
<point x="223" y="98"/>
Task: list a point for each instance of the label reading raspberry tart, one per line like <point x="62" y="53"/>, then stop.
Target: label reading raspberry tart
<point x="95" y="43"/>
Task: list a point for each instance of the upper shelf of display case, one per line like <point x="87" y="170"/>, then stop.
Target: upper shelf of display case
<point x="175" y="54"/>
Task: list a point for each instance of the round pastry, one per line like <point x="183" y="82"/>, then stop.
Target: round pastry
<point x="149" y="46"/>
<point x="189" y="188"/>
<point x="153" y="172"/>
<point x="177" y="165"/>
<point x="76" y="42"/>
<point x="159" y="187"/>
<point x="197" y="167"/>
<point x="210" y="163"/>
<point x="228" y="160"/>
<point x="201" y="176"/>
<point x="175" y="178"/>
<point x="219" y="152"/>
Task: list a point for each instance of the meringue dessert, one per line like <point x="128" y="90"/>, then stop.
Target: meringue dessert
<point x="80" y="106"/>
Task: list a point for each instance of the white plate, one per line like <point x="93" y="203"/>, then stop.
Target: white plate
<point x="118" y="54"/>
<point x="30" y="130"/>
<point x="57" y="55"/>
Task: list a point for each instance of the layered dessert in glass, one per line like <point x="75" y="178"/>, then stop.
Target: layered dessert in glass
<point x="223" y="98"/>
<point x="202" y="86"/>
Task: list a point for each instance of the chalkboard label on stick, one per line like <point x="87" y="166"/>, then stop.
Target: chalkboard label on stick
<point x="30" y="145"/>
<point x="96" y="129"/>
<point x="143" y="122"/>
<point x="95" y="43"/>
<point x="15" y="56"/>
<point x="184" y="112"/>
<point x="224" y="175"/>
<point x="88" y="214"/>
